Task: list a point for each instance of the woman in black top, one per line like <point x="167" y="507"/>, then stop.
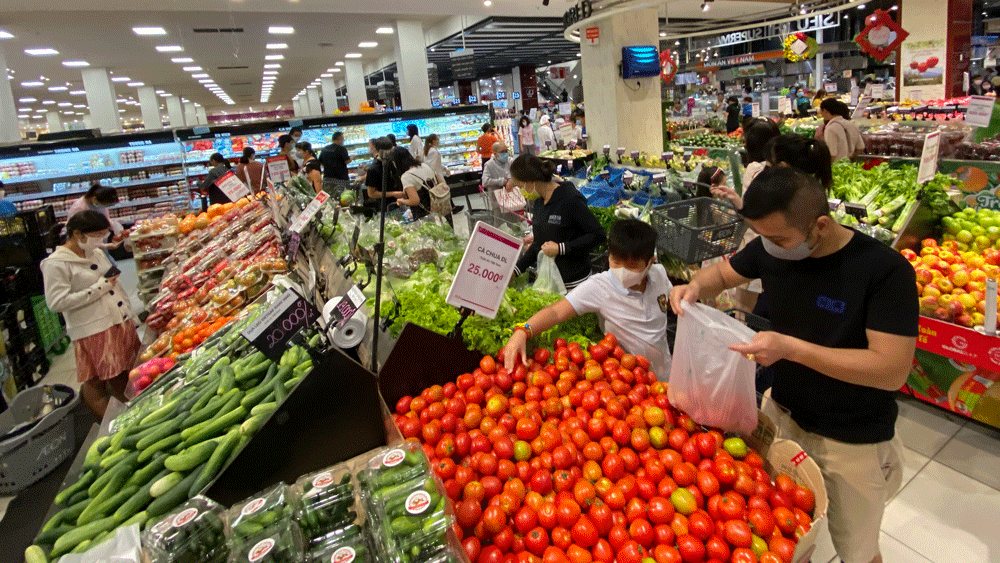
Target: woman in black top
<point x="563" y="227"/>
<point x="733" y="111"/>
<point x="373" y="177"/>
<point x="219" y="166"/>
<point x="286" y="145"/>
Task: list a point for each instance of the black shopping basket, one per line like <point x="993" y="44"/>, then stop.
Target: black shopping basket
<point x="697" y="229"/>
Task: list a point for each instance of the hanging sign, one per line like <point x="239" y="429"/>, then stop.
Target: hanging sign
<point x="929" y="157"/>
<point x="878" y="91"/>
<point x="308" y="213"/>
<point x="755" y="109"/>
<point x="668" y="66"/>
<point x="980" y="111"/>
<point x="485" y="271"/>
<point x="881" y="35"/>
<point x="277" y="169"/>
<point x="272" y="331"/>
<point x="233" y="187"/>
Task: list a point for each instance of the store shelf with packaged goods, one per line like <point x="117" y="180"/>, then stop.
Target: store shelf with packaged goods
<point x="77" y="192"/>
<point x="15" y="180"/>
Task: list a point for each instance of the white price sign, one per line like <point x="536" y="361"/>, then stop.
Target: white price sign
<point x="308" y="213"/>
<point x="277" y="169"/>
<point x="929" y="157"/>
<point x="755" y="110"/>
<point x="233" y="187"/>
<point x="878" y="91"/>
<point x="859" y="110"/>
<point x="980" y="111"/>
<point x="485" y="272"/>
<point x="784" y="106"/>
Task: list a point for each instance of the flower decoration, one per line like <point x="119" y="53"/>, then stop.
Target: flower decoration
<point x="799" y="47"/>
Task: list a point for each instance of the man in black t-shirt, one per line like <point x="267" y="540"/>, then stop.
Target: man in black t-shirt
<point x="844" y="312"/>
<point x="334" y="158"/>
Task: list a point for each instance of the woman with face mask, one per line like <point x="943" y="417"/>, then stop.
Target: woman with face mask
<point x="218" y="166"/>
<point x="82" y="284"/>
<point x="286" y="148"/>
<point x="630" y="300"/>
<point x="563" y="227"/>
<point x="526" y="136"/>
<point x="98" y="198"/>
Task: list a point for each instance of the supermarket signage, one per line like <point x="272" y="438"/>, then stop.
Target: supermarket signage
<point x="859" y="110"/>
<point x="592" y="35"/>
<point x="581" y="11"/>
<point x="980" y="111"/>
<point x="271" y="332"/>
<point x="755" y="109"/>
<point x="959" y="343"/>
<point x="308" y="213"/>
<point x="233" y="187"/>
<point x="277" y="169"/>
<point x="929" y="157"/>
<point x="804" y="25"/>
<point x="485" y="271"/>
<point x="784" y="106"/>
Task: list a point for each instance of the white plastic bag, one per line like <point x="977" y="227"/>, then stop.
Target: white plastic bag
<point x="710" y="382"/>
<point x="549" y="279"/>
<point x="123" y="546"/>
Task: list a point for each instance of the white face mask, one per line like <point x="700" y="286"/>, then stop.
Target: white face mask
<point x="630" y="278"/>
<point x="91" y="243"/>
<point x="800" y="251"/>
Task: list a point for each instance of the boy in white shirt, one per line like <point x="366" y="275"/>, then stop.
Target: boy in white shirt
<point x="631" y="300"/>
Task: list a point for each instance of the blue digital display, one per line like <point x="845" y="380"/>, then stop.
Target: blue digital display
<point x="639" y="61"/>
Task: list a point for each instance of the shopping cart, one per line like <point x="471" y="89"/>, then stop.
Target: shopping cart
<point x="503" y="206"/>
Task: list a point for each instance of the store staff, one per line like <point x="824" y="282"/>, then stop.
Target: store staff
<point x="563" y="227"/>
<point x="844" y="314"/>
<point x="630" y="299"/>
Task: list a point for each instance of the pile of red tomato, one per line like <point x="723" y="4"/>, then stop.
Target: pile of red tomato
<point x="581" y="459"/>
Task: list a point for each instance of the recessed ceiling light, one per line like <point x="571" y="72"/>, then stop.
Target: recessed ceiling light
<point x="327" y="75"/>
<point x="48" y="102"/>
<point x="281" y="30"/>
<point x="273" y="57"/>
<point x="192" y="68"/>
<point x="487" y="3"/>
<point x="32" y="84"/>
<point x="75" y="64"/>
<point x="149" y="31"/>
<point x="277" y="45"/>
<point x="272" y="65"/>
<point x="40" y="51"/>
<point x="352" y="56"/>
<point x="368" y="44"/>
<point x="57" y="88"/>
<point x="27" y="100"/>
<point x="270" y="72"/>
<point x="169" y="48"/>
<point x="5" y="35"/>
<point x="384" y="31"/>
<point x="135" y="84"/>
<point x="182" y="60"/>
<point x="663" y="34"/>
<point x="64" y="104"/>
<point x="121" y="79"/>
<point x="77" y="92"/>
<point x="201" y="75"/>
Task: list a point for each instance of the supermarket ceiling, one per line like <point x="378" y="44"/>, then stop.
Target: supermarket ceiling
<point x="213" y="51"/>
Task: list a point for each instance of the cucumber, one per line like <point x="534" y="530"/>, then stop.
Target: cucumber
<point x="94" y="453"/>
<point x="82" y="547"/>
<point x="160" y="432"/>
<point x="215" y="462"/>
<point x="206" y="412"/>
<point x="228" y="380"/>
<point x="163" y="412"/>
<point x="163" y="445"/>
<point x="132" y="440"/>
<point x="149" y="470"/>
<point x="165" y="483"/>
<point x="113" y="459"/>
<point x="34" y="554"/>
<point x="279" y="390"/>
<point x="232" y="400"/>
<point x="138" y="518"/>
<point x="72" y="539"/>
<point x="203" y="399"/>
<point x="254" y="368"/>
<point x="220" y="424"/>
<point x="84" y="481"/>
<point x="121" y="473"/>
<point x="251" y="425"/>
<point x="138" y="501"/>
<point x="108" y="501"/>
<point x="172" y="498"/>
<point x="68" y="515"/>
<point x="77" y="497"/>
<point x="49" y="537"/>
<point x="291" y="383"/>
<point x="264" y="408"/>
<point x="191" y="457"/>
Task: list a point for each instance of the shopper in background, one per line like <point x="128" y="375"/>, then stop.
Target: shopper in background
<point x="335" y="158"/>
<point x="98" y="314"/>
<point x="416" y="144"/>
<point x="417" y="179"/>
<point x="844" y="318"/>
<point x="629" y="299"/>
<point x="842" y="136"/>
<point x="496" y="174"/>
<point x="485" y="143"/>
<point x="546" y="137"/>
<point x="392" y="139"/>
<point x="218" y="166"/>
<point x="747" y="106"/>
<point x="296" y="134"/>
<point x="432" y="156"/>
<point x="733" y="114"/>
<point x="806" y="154"/>
<point x="526" y="136"/>
<point x="98" y="198"/>
<point x="801" y="102"/>
<point x="250" y="170"/>
<point x="710" y="181"/>
<point x="286" y="146"/>
<point x="563" y="227"/>
<point x="381" y="148"/>
<point x="818" y="98"/>
<point x="757" y="138"/>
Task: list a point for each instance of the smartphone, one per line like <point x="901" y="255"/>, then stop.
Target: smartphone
<point x="114" y="271"/>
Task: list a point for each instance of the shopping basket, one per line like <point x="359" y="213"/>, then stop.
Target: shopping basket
<point x="697" y="229"/>
<point x="30" y="447"/>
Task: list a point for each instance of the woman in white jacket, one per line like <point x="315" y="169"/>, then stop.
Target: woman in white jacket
<point x="98" y="315"/>
<point x="842" y="136"/>
<point x="546" y="137"/>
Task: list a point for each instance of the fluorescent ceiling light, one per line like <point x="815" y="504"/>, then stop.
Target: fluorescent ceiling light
<point x="367" y="44"/>
<point x="384" y="31"/>
<point x="206" y="81"/>
<point x="121" y="100"/>
<point x="80" y="106"/>
<point x="272" y="65"/>
<point x="277" y="45"/>
<point x="5" y="35"/>
<point x="338" y="63"/>
<point x="121" y="79"/>
<point x="32" y="84"/>
<point x="57" y="88"/>
<point x="75" y="64"/>
<point x="23" y="116"/>
<point x="48" y="102"/>
<point x="27" y="100"/>
<point x="273" y="57"/>
<point x="40" y="51"/>
<point x="159" y="91"/>
<point x="270" y="72"/>
<point x="352" y="56"/>
<point x="149" y="30"/>
<point x="281" y="30"/>
<point x="192" y="68"/>
<point x="136" y="84"/>
<point x="169" y="48"/>
<point x="182" y="60"/>
<point x="64" y="104"/>
<point x="41" y="110"/>
<point x="77" y="92"/>
<point x="202" y="75"/>
<point x="327" y="75"/>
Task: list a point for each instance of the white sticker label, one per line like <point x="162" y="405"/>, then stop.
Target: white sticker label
<point x="343" y="555"/>
<point x="233" y="187"/>
<point x="322" y="480"/>
<point x="393" y="458"/>
<point x="185" y="517"/>
<point x="418" y="502"/>
<point x="262" y="548"/>
<point x="252" y="506"/>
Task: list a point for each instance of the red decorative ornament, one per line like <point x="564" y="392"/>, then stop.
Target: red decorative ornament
<point x="881" y="35"/>
<point x="668" y="66"/>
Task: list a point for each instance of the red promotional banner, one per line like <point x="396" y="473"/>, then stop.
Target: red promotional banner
<point x="959" y="343"/>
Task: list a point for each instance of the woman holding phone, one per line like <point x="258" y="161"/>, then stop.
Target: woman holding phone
<point x="82" y="284"/>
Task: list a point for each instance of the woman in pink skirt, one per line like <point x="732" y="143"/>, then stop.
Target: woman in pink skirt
<point x="98" y="315"/>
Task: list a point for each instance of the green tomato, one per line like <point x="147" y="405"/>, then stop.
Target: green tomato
<point x="736" y="447"/>
<point x="683" y="501"/>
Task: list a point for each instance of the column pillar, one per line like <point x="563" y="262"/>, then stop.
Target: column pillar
<point x="200" y="115"/>
<point x="190" y="114"/>
<point x="10" y="128"/>
<point x="329" y="86"/>
<point x="52" y="119"/>
<point x="175" y="111"/>
<point x="297" y="107"/>
<point x="356" y="93"/>
<point x="942" y="30"/>
<point x="314" y="106"/>
<point x="150" y="109"/>
<point x="528" y="88"/>
<point x="101" y="99"/>
<point x="631" y="112"/>
<point x="411" y="65"/>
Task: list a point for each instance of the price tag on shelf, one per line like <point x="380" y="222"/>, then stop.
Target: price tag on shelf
<point x="784" y="105"/>
<point x="272" y="331"/>
<point x="980" y="111"/>
<point x="857" y="210"/>
<point x="233" y="187"/>
<point x="755" y="109"/>
<point x="308" y="213"/>
<point x="293" y="245"/>
<point x="635" y="156"/>
<point x="859" y="110"/>
<point x="347" y="306"/>
<point x="277" y="169"/>
<point x="878" y="90"/>
<point x="929" y="157"/>
<point x="485" y="271"/>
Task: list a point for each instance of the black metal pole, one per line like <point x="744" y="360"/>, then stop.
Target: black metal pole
<point x="379" y="251"/>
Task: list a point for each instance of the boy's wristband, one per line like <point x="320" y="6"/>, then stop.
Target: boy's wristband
<point x="525" y="327"/>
